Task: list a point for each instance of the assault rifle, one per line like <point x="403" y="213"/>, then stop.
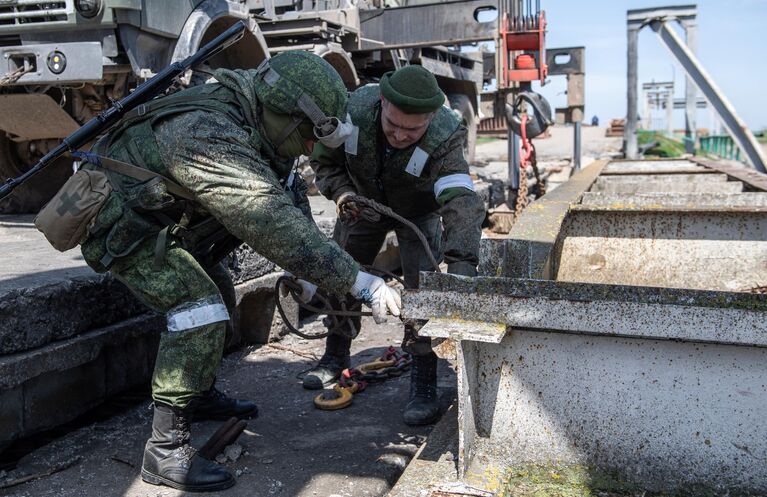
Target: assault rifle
<point x="143" y="93"/>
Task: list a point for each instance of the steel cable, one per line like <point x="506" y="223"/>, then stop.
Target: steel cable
<point x="294" y="289"/>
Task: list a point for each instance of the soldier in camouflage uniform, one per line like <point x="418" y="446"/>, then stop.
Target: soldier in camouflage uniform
<point x="409" y="156"/>
<point x="224" y="152"/>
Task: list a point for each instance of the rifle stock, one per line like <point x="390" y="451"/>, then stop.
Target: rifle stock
<point x="143" y="93"/>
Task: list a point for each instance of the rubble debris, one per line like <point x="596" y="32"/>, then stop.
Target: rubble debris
<point x="233" y="452"/>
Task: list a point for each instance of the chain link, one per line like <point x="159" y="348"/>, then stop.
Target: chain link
<point x="521" y="193"/>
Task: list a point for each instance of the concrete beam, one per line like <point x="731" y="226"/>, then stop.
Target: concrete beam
<point x="610" y="310"/>
<point x="639" y="186"/>
<point x="663" y="178"/>
<point x="754" y="181"/>
<point x="666" y="200"/>
<point x="654" y="167"/>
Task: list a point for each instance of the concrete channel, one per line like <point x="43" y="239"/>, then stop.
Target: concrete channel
<point x="620" y="329"/>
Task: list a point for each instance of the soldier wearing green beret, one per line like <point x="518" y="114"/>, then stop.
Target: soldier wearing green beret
<point x="219" y="157"/>
<point x="408" y="155"/>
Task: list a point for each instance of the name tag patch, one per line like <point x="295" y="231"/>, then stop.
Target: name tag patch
<point x="417" y="161"/>
<point x="350" y="145"/>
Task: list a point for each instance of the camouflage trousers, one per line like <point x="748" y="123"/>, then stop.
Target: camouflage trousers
<point x="188" y="294"/>
<point x="363" y="240"/>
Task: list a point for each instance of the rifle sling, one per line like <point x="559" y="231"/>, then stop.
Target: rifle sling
<point x="142" y="174"/>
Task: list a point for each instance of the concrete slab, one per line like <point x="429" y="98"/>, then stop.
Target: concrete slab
<point x="661" y="200"/>
<point x="633" y="187"/>
<point x="665" y="167"/>
<point x="713" y="250"/>
<point x="649" y="164"/>
<point x="646" y="383"/>
<point x="754" y="180"/>
<point x="662" y="178"/>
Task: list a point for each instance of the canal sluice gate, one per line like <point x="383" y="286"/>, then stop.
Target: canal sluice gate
<point x="618" y="335"/>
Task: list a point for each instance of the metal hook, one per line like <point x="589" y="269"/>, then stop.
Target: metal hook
<point x="538" y="122"/>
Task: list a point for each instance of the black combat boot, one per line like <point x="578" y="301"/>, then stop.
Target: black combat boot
<point x="217" y="406"/>
<point x="423" y="406"/>
<point x="332" y="363"/>
<point x="170" y="460"/>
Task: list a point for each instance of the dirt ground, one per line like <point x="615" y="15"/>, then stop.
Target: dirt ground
<point x="292" y="449"/>
<point x="559" y="145"/>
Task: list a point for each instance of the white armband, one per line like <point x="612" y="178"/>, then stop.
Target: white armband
<point x="453" y="181"/>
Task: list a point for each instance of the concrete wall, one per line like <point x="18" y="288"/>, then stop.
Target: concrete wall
<point x="667" y="415"/>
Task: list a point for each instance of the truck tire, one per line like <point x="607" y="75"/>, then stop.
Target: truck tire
<point x="462" y="105"/>
<point x="30" y="197"/>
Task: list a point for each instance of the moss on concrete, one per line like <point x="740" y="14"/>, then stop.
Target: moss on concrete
<point x="533" y="480"/>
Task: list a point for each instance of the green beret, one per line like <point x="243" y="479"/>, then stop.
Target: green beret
<point x="412" y="89"/>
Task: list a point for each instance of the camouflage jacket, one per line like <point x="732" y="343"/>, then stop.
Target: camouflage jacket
<point x="210" y="141"/>
<point x="410" y="189"/>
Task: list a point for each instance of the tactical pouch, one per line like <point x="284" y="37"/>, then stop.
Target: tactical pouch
<point x="66" y="218"/>
<point x="130" y="230"/>
<point x="128" y="227"/>
<point x="151" y="195"/>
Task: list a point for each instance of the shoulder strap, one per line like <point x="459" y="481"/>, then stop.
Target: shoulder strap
<point x="135" y="172"/>
<point x="143" y="175"/>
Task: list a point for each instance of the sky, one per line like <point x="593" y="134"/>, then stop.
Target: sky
<point x="732" y="46"/>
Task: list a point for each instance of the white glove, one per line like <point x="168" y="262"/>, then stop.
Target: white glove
<point x="307" y="289"/>
<point x="373" y="291"/>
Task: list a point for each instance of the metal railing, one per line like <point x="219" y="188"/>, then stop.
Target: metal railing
<point x="720" y="145"/>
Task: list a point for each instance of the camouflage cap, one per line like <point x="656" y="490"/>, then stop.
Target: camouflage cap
<point x="412" y="89"/>
<point x="284" y="78"/>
